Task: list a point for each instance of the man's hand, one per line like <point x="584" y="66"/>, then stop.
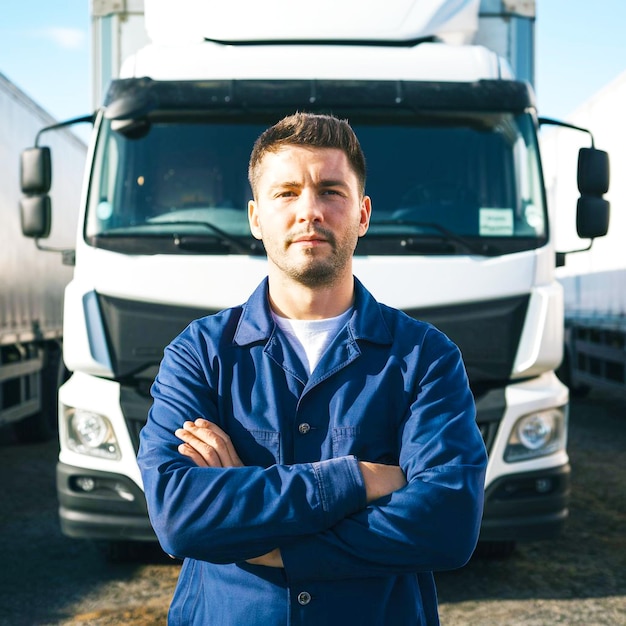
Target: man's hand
<point x="207" y="445"/>
<point x="381" y="480"/>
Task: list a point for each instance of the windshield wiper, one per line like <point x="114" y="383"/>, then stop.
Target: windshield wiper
<point x="185" y="241"/>
<point x="483" y="249"/>
<point x="200" y="243"/>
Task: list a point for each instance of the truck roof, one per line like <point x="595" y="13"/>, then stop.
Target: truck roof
<point x="453" y="21"/>
<point x="426" y="61"/>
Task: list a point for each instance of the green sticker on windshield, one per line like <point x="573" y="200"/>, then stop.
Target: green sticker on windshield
<point x="496" y="222"/>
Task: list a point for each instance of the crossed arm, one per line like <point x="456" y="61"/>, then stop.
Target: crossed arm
<point x="335" y="518"/>
<point x="207" y="445"/>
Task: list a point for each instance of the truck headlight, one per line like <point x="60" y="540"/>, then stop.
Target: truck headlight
<point x="91" y="434"/>
<point x="537" y="434"/>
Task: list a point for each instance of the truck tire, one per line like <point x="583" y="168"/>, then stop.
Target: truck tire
<point x="42" y="426"/>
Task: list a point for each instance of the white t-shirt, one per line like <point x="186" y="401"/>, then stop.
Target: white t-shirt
<point x="310" y="338"/>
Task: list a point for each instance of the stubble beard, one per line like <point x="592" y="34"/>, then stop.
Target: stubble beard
<point x="319" y="272"/>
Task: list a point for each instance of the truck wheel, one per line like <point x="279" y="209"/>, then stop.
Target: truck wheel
<point x="494" y="549"/>
<point x="42" y="426"/>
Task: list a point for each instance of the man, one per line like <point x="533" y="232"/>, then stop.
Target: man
<point x="312" y="454"/>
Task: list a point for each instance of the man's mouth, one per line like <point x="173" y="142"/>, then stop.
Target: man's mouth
<point x="312" y="238"/>
<point x="308" y="240"/>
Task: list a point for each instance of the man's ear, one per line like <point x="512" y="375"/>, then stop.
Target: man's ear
<point x="366" y="212"/>
<point x="253" y="220"/>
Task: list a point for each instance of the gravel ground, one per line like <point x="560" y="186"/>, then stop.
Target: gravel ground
<point x="49" y="580"/>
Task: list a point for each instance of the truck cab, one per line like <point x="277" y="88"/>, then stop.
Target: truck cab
<point x="460" y="236"/>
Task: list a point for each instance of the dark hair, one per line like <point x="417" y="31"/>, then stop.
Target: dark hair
<point x="309" y="129"/>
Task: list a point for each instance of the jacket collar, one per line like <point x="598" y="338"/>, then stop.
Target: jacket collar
<point x="367" y="322"/>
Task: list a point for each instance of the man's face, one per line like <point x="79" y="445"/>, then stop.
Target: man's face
<point x="309" y="213"/>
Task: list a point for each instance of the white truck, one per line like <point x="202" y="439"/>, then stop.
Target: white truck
<point x="595" y="332"/>
<point x="460" y="234"/>
<point x="31" y="286"/>
<point x="594" y="280"/>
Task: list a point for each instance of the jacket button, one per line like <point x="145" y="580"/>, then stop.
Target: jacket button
<point x="304" y="597"/>
<point x="304" y="428"/>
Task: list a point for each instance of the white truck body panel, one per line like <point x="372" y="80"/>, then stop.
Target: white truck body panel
<point x="100" y="396"/>
<point x="32" y="283"/>
<point x="452" y="21"/>
<point x="526" y="398"/>
<point x="207" y="60"/>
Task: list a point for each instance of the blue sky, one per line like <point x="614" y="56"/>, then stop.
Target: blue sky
<point x="45" y="50"/>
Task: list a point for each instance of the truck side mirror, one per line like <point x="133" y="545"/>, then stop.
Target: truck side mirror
<point x="36" y="171"/>
<point x="36" y="216"/>
<point x="592" y="217"/>
<point x="592" y="210"/>
<point x="593" y="171"/>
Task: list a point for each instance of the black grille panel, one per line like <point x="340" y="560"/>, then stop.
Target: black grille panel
<point x="135" y="406"/>
<point x="487" y="334"/>
<point x="488" y="431"/>
<point x="137" y="332"/>
<point x="490" y="408"/>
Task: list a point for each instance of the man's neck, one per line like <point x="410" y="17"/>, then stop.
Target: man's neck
<point x="296" y="301"/>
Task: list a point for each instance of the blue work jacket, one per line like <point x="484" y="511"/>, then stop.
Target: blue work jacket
<point x="389" y="389"/>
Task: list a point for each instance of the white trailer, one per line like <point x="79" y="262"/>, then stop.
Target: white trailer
<point x="594" y="280"/>
<point x="31" y="283"/>
<point x="460" y="234"/>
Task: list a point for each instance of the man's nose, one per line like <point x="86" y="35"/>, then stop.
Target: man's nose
<point x="310" y="207"/>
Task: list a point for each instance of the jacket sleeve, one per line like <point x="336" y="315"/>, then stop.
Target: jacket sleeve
<point x="226" y="515"/>
<point x="433" y="522"/>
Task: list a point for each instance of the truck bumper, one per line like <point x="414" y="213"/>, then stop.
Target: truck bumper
<point x="101" y="505"/>
<point x="526" y="506"/>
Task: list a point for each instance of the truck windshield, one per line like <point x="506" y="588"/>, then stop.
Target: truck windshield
<point x="453" y="185"/>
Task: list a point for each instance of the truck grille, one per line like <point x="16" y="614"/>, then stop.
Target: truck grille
<point x="135" y="406"/>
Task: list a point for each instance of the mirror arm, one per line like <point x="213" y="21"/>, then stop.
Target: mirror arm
<point x="84" y="119"/>
<point x="562" y="255"/>
<point x="68" y="255"/>
<point x="552" y="122"/>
